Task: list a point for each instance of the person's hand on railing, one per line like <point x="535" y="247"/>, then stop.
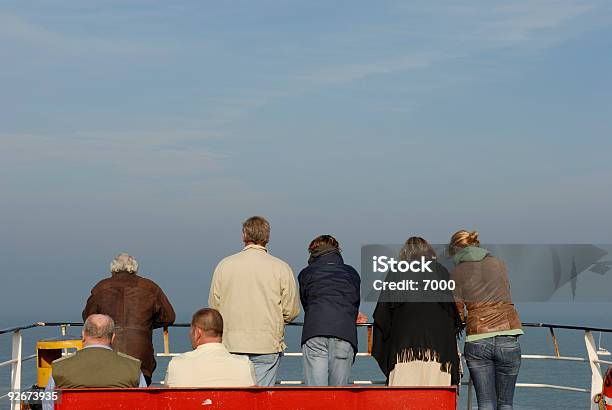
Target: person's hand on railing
<point x="362" y="318"/>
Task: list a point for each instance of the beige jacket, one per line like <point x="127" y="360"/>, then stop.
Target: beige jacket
<point x="210" y="365"/>
<point x="256" y="294"/>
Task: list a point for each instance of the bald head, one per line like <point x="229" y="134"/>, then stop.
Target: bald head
<point x="206" y="327"/>
<point x="98" y="329"/>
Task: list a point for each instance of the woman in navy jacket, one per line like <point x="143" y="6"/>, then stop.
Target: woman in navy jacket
<point x="329" y="291"/>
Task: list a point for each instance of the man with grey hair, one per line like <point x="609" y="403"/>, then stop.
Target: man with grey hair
<point x="97" y="364"/>
<point x="137" y="305"/>
<point x="256" y="294"/>
<point x="124" y="263"/>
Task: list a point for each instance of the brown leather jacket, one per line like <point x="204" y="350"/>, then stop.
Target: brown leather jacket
<point x="137" y="305"/>
<point x="482" y="288"/>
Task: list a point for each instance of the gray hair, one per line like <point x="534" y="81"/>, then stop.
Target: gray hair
<point x="256" y="229"/>
<point x="99" y="326"/>
<point x="124" y="263"/>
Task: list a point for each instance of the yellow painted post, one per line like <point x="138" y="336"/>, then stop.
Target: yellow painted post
<point x="554" y="339"/>
<point x="166" y="340"/>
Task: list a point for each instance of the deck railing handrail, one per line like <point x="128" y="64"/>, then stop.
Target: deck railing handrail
<point x="592" y="355"/>
<point x="183" y="324"/>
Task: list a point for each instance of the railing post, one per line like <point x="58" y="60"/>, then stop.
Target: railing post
<point x="596" y="378"/>
<point x="16" y="368"/>
<point x="166" y="341"/>
<point x="63" y="331"/>
<point x="469" y="394"/>
<point x="554" y="339"/>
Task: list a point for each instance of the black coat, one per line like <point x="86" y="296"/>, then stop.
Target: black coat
<point x="329" y="291"/>
<point x="419" y="328"/>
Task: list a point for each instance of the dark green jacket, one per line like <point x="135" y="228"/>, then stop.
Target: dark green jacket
<point x="96" y="367"/>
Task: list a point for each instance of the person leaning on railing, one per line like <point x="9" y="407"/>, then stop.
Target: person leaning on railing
<point x="492" y="350"/>
<point x="137" y="305"/>
<point x="415" y="333"/>
<point x="97" y="364"/>
<point x="256" y="294"/>
<point x="329" y="291"/>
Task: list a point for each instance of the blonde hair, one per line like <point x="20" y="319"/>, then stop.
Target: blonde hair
<point x="124" y="263"/>
<point x="462" y="239"/>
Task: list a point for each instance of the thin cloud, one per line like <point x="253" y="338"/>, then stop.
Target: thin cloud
<point x="137" y="154"/>
<point x="358" y="71"/>
<point x="437" y="34"/>
<point x="516" y="23"/>
<point x="478" y="28"/>
<point x="17" y="31"/>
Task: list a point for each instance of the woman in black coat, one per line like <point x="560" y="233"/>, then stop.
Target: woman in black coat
<point x="415" y="333"/>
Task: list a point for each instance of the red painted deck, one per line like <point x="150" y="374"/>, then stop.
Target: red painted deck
<point x="259" y="398"/>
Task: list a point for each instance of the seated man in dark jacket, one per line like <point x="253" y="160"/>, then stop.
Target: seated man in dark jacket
<point x="329" y="291"/>
<point x="137" y="305"/>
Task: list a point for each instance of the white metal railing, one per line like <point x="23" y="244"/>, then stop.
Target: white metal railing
<point x="15" y="363"/>
<point x="592" y="358"/>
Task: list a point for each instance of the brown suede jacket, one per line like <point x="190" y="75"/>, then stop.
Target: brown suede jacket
<point x="137" y="305"/>
<point x="482" y="288"/>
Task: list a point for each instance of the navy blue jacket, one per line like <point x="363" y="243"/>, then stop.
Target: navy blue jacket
<point x="329" y="291"/>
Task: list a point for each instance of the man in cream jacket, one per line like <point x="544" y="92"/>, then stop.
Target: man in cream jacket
<point x="209" y="364"/>
<point x="256" y="294"/>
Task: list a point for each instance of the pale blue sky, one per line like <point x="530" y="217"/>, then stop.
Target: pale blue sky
<point x="156" y="128"/>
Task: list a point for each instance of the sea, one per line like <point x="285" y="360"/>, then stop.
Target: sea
<point x="535" y="341"/>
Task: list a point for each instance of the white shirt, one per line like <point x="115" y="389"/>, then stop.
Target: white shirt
<point x="210" y="365"/>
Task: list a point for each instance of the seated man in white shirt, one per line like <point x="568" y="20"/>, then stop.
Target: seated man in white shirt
<point x="209" y="364"/>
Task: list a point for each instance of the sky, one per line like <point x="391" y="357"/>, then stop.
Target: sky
<point x="157" y="127"/>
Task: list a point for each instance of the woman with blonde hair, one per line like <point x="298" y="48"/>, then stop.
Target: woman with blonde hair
<point x="492" y="350"/>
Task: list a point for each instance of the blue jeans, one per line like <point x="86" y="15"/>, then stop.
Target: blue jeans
<point x="327" y="361"/>
<point x="266" y="366"/>
<point x="494" y="365"/>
